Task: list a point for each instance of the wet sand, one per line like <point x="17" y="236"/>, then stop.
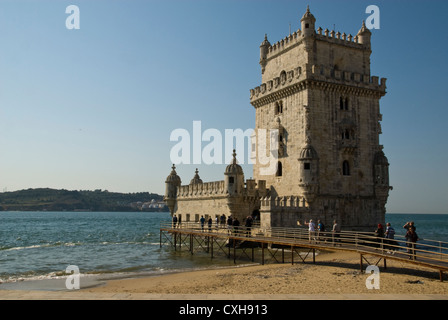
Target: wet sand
<point x="333" y="273"/>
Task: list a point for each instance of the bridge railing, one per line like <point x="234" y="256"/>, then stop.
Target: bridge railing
<point x="432" y="251"/>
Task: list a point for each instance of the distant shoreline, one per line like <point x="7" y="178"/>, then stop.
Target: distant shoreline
<point x="55" y="200"/>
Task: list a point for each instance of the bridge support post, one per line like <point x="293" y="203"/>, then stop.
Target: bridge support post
<point x="360" y="262"/>
<point x="234" y="251"/>
<point x="175" y="238"/>
<point x="292" y="255"/>
<point x="262" y="253"/>
<point x="211" y="248"/>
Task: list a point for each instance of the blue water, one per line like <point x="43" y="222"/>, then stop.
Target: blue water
<point x="40" y="245"/>
<point x="428" y="226"/>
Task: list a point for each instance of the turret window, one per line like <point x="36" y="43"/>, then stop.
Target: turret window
<point x="279" y="172"/>
<point x="343" y="103"/>
<point x="345" y="168"/>
<point x="278" y="107"/>
<point x="231" y="179"/>
<point x="307" y="166"/>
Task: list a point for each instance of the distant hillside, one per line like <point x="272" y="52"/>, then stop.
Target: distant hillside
<point x="45" y="199"/>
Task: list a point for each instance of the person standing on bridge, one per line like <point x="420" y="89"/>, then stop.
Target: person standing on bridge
<point x="174" y="221"/>
<point x="248" y="225"/>
<point x="210" y="222"/>
<point x="390" y="235"/>
<point x="336" y="232"/>
<point x="411" y="238"/>
<point x="202" y="222"/>
<point x="236" y="226"/>
<point x="409" y="225"/>
<point x="229" y="224"/>
<point x="311" y="230"/>
<point x="320" y="230"/>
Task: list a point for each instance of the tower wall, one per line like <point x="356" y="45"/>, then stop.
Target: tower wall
<point x="330" y="104"/>
<point x="317" y="91"/>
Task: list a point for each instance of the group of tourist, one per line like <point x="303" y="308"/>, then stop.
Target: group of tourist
<point x="316" y="232"/>
<point x="232" y="224"/>
<point x="385" y="237"/>
<point x="389" y="234"/>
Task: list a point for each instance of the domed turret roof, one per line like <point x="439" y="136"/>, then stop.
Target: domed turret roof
<point x="234" y="168"/>
<point x="308" y="152"/>
<point x="308" y="15"/>
<point x="265" y="41"/>
<point x="196" y="179"/>
<point x="364" y="29"/>
<point x="173" y="177"/>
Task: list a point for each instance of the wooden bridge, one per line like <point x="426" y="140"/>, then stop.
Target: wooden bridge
<point x="299" y="243"/>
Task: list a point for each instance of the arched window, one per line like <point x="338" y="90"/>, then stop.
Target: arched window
<point x="279" y="172"/>
<point x="278" y="107"/>
<point x="347" y="134"/>
<point x="343" y="103"/>
<point x="345" y="168"/>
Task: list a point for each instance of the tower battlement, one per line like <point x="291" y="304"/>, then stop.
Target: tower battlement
<point x="297" y="38"/>
<point x="294" y="80"/>
<point x="285" y="202"/>
<point x="201" y="189"/>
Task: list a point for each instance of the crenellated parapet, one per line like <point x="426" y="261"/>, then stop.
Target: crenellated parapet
<point x="285" y="44"/>
<point x="301" y="78"/>
<point x="359" y="41"/>
<point x="204" y="189"/>
<point x="283" y="203"/>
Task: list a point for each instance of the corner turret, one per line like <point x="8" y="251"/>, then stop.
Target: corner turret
<point x="172" y="183"/>
<point x="196" y="179"/>
<point x="364" y="35"/>
<point x="308" y="23"/>
<point x="309" y="171"/>
<point x="234" y="177"/>
<point x="264" y="48"/>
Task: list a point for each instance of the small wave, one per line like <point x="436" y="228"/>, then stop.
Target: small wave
<point x="45" y="245"/>
<point x="55" y="275"/>
<point x="26" y="247"/>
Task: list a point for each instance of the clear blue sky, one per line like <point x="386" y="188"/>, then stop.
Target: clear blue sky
<point x="94" y="108"/>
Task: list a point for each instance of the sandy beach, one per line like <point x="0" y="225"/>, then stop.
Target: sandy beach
<point x="334" y="276"/>
<point x="333" y="273"/>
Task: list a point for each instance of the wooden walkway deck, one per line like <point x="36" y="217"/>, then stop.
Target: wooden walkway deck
<point x="300" y="244"/>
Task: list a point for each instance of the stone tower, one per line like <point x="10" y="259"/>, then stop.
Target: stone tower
<point x="318" y="92"/>
<point x="172" y="184"/>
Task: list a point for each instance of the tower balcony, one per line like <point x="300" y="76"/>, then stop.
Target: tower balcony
<point x="347" y="146"/>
